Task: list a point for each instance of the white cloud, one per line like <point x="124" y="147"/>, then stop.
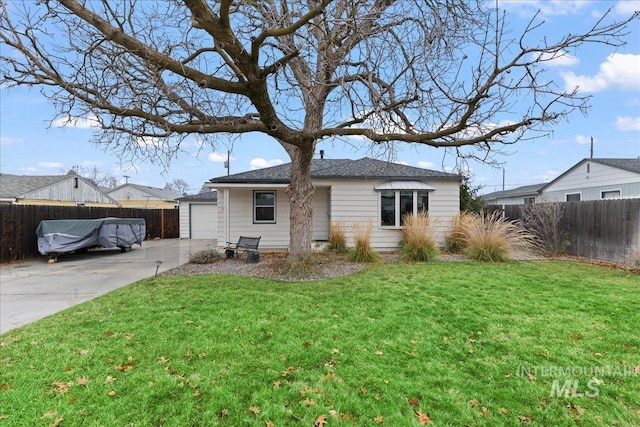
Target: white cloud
<point x="581" y="139"/>
<point x="557" y="59"/>
<point x="259" y="163"/>
<point x="424" y="164"/>
<point x="634" y="102"/>
<point x="547" y="176"/>
<point x="546" y="7"/>
<point x="30" y="169"/>
<point x="215" y="156"/>
<point x="628" y="123"/>
<point x="620" y="70"/>
<point x="148" y="141"/>
<point x="50" y="165"/>
<point x="76" y="122"/>
<point x="627" y="7"/>
<point x="401" y="162"/>
<point x="7" y="140"/>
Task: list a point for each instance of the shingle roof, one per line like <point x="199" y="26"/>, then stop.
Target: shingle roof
<point x="365" y="168"/>
<point x="13" y="186"/>
<point x="524" y="190"/>
<point x="160" y="193"/>
<point x="631" y="165"/>
<point x="203" y="196"/>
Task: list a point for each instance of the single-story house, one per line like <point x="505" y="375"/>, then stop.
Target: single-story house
<point x="199" y="215"/>
<point x="595" y="179"/>
<point x="524" y="195"/>
<point x="350" y="192"/>
<point x="59" y="190"/>
<point x="143" y="196"/>
<point x="589" y="179"/>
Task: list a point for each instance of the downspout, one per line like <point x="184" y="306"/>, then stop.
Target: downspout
<point x="227" y="216"/>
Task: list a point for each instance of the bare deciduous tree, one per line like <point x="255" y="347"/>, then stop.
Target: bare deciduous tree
<point x="443" y="73"/>
<point x="100" y="178"/>
<point x="178" y="185"/>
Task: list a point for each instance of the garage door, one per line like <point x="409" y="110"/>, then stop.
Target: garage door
<point x="203" y="221"/>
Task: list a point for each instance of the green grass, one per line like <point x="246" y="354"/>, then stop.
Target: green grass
<point x="445" y="339"/>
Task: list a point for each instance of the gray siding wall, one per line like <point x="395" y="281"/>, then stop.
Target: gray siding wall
<point x="590" y="179"/>
<point x="66" y="191"/>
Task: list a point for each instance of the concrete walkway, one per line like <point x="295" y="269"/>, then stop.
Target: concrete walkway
<point x="33" y="290"/>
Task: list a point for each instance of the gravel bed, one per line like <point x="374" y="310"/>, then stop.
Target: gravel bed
<point x="272" y="266"/>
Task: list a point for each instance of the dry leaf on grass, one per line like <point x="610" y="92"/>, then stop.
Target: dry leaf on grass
<point x="320" y="421"/>
<point x="423" y="418"/>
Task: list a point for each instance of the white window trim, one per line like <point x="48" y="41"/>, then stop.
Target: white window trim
<point x="619" y="190"/>
<point x="397" y="205"/>
<point x="275" y="204"/>
<point x="571" y="194"/>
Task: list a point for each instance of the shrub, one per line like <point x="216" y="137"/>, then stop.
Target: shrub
<point x="455" y="241"/>
<point x="362" y="250"/>
<point x="418" y="243"/>
<point x="543" y="221"/>
<point x="302" y="265"/>
<point x="492" y="238"/>
<point x="337" y="238"/>
<point x="206" y="256"/>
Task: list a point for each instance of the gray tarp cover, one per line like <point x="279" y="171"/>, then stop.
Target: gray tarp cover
<point x="66" y="235"/>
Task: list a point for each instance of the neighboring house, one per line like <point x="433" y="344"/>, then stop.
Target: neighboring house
<point x="350" y="192"/>
<point x="595" y="179"/>
<point x="524" y="195"/>
<point x="60" y="190"/>
<point x="142" y="196"/>
<point x="199" y="215"/>
<point x="589" y="179"/>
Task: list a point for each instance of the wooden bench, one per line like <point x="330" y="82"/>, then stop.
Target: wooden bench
<point x="248" y="245"/>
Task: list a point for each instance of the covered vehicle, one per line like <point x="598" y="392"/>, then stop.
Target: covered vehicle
<point x="67" y="235"/>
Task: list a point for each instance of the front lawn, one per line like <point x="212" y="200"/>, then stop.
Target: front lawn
<point x="546" y="343"/>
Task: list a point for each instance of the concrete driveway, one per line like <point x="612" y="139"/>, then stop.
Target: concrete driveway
<point x="33" y="290"/>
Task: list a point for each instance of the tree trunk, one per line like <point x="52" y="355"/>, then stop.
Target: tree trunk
<point x="300" y="192"/>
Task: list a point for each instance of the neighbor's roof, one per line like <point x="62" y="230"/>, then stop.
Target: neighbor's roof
<point x="631" y="165"/>
<point x="12" y="186"/>
<point x="16" y="186"/>
<point x="525" y="190"/>
<point x="160" y="193"/>
<point x="365" y="168"/>
<point x="203" y="196"/>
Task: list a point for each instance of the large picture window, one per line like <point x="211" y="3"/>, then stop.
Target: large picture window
<point x="264" y="207"/>
<point x="396" y="204"/>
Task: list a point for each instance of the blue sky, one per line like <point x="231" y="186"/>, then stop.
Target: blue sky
<point x="29" y="146"/>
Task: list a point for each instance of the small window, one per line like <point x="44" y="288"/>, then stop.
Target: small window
<point x="573" y="197"/>
<point x="610" y="194"/>
<point x="264" y="207"/>
<point x="529" y="200"/>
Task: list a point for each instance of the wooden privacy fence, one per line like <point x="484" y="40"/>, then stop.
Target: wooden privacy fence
<point x="606" y="230"/>
<point x="18" y="224"/>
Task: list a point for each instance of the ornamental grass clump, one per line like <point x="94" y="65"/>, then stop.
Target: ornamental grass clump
<point x="455" y="241"/>
<point x="418" y="242"/>
<point x="362" y="250"/>
<point x="337" y="238"/>
<point x="494" y="239"/>
<point x="206" y="256"/>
